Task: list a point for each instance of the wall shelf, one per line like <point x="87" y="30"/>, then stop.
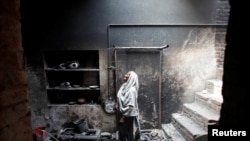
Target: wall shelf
<point x="80" y="69"/>
<point x="71" y="75"/>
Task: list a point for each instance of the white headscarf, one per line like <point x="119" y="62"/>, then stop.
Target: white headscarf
<point x="131" y="82"/>
<point x="127" y="96"/>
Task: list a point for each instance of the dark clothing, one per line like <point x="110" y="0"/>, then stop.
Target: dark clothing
<point x="129" y="127"/>
<point x="128" y="130"/>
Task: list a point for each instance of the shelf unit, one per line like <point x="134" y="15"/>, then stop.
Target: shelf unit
<point x="71" y="76"/>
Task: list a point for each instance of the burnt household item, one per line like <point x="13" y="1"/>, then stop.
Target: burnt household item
<point x="93" y="86"/>
<point x="76" y="86"/>
<point x="69" y="65"/>
<point x="72" y="103"/>
<point x="68" y="127"/>
<point x="39" y="133"/>
<point x="65" y="85"/>
<point x="91" y="134"/>
<point x="109" y="106"/>
<point x="81" y="100"/>
<point x="73" y="65"/>
<point x="106" y="135"/>
<point x="63" y="66"/>
<point x="79" y="130"/>
<point x="81" y="125"/>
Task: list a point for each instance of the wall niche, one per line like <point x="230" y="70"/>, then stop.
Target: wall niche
<point x="72" y="77"/>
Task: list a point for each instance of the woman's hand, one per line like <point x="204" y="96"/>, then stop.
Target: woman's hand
<point x="122" y="119"/>
<point x="116" y="106"/>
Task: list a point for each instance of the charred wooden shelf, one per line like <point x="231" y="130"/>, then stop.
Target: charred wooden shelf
<point x="79" y="69"/>
<point x="70" y="89"/>
<point x="68" y="75"/>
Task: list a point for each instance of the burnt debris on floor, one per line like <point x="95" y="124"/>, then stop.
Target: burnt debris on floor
<point x="80" y="130"/>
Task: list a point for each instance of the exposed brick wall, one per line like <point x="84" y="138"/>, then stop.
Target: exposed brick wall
<point x="222" y="15"/>
<point x="222" y="11"/>
<point x="15" y="116"/>
<point x="220" y="46"/>
<point x="235" y="91"/>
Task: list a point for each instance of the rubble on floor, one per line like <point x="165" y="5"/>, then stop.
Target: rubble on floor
<point x="80" y="130"/>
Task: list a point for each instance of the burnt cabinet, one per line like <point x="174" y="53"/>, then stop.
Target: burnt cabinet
<point x="72" y="77"/>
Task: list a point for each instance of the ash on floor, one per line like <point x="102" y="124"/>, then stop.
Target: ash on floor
<point x="153" y="135"/>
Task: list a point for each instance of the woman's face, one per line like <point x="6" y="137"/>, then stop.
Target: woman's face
<point x="126" y="76"/>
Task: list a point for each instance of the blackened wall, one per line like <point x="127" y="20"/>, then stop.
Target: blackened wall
<point x="234" y="112"/>
<point x="15" y="114"/>
<point x="80" y="25"/>
<point x="182" y="69"/>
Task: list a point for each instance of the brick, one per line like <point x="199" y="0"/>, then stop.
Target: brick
<point x="10" y="40"/>
<point x="12" y="59"/>
<point x="6" y="132"/>
<point x="13" y="113"/>
<point x="11" y="7"/>
<point x="10" y="23"/>
<point x="12" y="96"/>
<point x="21" y="130"/>
<point x="12" y="79"/>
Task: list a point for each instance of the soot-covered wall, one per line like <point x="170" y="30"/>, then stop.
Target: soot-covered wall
<point x="169" y="76"/>
<point x="97" y="25"/>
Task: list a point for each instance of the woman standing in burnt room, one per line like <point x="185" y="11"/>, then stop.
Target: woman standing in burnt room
<point x="129" y="127"/>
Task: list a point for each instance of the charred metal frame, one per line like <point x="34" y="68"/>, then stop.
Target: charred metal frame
<point x="160" y="77"/>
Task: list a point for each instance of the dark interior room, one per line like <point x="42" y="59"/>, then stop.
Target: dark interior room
<point x="63" y="63"/>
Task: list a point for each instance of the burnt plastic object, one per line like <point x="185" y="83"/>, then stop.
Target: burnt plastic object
<point x="38" y="133"/>
<point x="81" y="125"/>
<point x="90" y="134"/>
<point x="73" y="65"/>
<point x="79" y="130"/>
<point x="70" y="65"/>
